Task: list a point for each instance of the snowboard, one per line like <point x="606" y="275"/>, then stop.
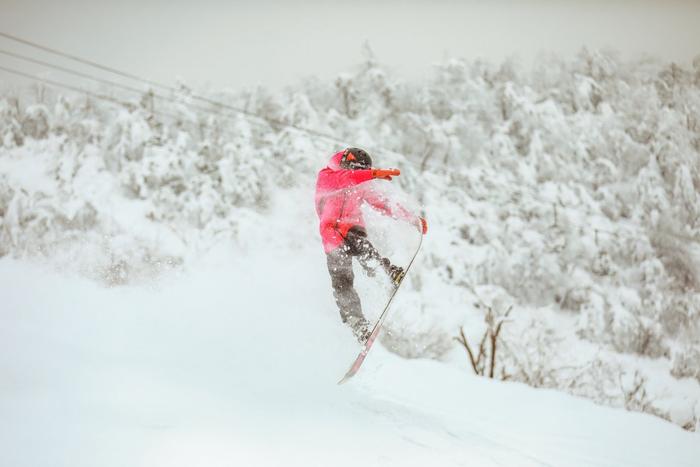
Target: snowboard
<point x="355" y="367"/>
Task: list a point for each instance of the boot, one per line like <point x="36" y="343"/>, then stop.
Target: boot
<point x="396" y="274"/>
<point x="360" y="329"/>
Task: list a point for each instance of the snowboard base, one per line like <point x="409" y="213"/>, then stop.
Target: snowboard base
<point x="355" y="367"/>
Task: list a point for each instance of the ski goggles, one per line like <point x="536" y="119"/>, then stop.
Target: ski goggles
<point x="352" y="162"/>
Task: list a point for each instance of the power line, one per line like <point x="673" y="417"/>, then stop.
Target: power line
<point x="94" y="94"/>
<point x="80" y="90"/>
<point x="123" y="74"/>
<point x="70" y="71"/>
<point x="103" y="81"/>
<point x="80" y="60"/>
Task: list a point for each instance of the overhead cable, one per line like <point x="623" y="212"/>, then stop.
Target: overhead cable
<point x="131" y="76"/>
<point x="107" y="82"/>
<point x="95" y="95"/>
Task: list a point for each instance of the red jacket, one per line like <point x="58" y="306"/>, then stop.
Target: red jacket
<point x="340" y="194"/>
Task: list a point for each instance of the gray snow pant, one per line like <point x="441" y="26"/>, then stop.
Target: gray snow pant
<point x="342" y="277"/>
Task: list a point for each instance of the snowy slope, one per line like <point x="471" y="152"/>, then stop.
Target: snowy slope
<point x="220" y="343"/>
<point x="235" y="362"/>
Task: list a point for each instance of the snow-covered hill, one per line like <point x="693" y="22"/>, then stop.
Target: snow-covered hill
<point x="163" y="278"/>
<point x="235" y="363"/>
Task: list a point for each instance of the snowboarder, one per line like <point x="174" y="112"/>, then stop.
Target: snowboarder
<point x="340" y="192"/>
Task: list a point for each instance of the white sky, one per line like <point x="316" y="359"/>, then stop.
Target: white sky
<point x="272" y="43"/>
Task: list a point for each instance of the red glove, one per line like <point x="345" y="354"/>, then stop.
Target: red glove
<point x="385" y="174"/>
<point x="423" y="225"/>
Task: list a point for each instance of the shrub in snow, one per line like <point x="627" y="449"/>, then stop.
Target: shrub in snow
<point x="10" y="126"/>
<point x="483" y="356"/>
<point x="640" y="335"/>
<point x="597" y="379"/>
<point x="687" y="196"/>
<point x="126" y="139"/>
<point x="686" y="362"/>
<point x="679" y="256"/>
<point x="530" y="355"/>
<point x="602" y="265"/>
<point x="618" y="324"/>
<point x="33" y="223"/>
<point x="244" y="180"/>
<point x="474" y="234"/>
<point x="161" y="169"/>
<point x="7" y="193"/>
<point x="636" y="397"/>
<point x="575" y="298"/>
<point x="35" y="123"/>
<point x="411" y="343"/>
<point x="680" y="315"/>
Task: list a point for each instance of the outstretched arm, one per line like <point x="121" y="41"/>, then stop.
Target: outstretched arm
<point x="395" y="210"/>
<point x="343" y="178"/>
<point x="346" y="178"/>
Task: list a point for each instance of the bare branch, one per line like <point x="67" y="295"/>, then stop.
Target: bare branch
<point x="462" y="339"/>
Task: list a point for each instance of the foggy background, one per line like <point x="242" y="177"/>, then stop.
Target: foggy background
<point x="273" y="43"/>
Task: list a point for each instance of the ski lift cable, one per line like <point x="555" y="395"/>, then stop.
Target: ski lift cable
<point x="80" y="60"/>
<point x="269" y="121"/>
<point x="71" y="71"/>
<point x="131" y="76"/>
<point x="107" y="82"/>
<point x="79" y="90"/>
<point x="95" y="95"/>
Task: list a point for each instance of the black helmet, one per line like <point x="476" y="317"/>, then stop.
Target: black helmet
<point x="355" y="158"/>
